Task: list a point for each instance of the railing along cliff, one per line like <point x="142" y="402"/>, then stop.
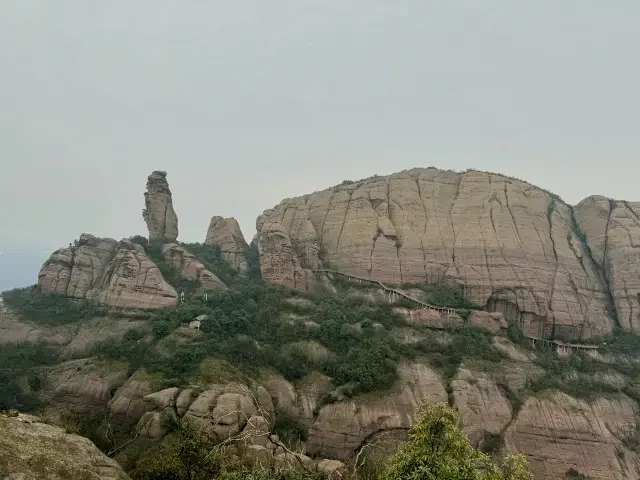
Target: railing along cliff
<point x="561" y="346"/>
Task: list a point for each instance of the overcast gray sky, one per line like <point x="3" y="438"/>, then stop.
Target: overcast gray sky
<point x="246" y="102"/>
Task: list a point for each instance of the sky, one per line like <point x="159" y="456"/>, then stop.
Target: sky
<point x="247" y="102"/>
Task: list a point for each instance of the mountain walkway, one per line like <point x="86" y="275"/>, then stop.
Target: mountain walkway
<point x="393" y="293"/>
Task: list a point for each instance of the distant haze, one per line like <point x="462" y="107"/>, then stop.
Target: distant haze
<point x="247" y="102"/>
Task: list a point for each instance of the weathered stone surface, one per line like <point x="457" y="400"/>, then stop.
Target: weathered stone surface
<point x="32" y="450"/>
<point x="493" y="322"/>
<point x="117" y="274"/>
<point x="612" y="230"/>
<point x="190" y="267"/>
<point x="427" y="317"/>
<point x="158" y="214"/>
<point x="340" y="428"/>
<point x="482" y="407"/>
<point x="558" y="433"/>
<point x="225" y="234"/>
<point x="507" y="241"/>
<point x="128" y="405"/>
<point x="164" y="398"/>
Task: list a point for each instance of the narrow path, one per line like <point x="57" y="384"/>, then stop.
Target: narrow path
<point x="561" y="346"/>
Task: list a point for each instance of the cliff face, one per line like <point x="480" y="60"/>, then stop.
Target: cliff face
<point x="516" y="248"/>
<point x="158" y="214"/>
<point x="117" y="274"/>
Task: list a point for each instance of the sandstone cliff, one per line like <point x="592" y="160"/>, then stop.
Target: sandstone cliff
<point x="117" y="274"/>
<point x="158" y="214"/>
<point x="30" y="450"/>
<point x="225" y="234"/>
<point x="516" y="248"/>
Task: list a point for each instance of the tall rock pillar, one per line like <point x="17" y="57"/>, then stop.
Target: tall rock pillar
<point x="158" y="214"/>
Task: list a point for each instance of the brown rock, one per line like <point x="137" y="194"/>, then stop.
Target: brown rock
<point x="190" y="267"/>
<point x="117" y="274"/>
<point x="340" y="428"/>
<point x="559" y="433"/>
<point x="504" y="239"/>
<point x="612" y="230"/>
<point x="158" y="214"/>
<point x="430" y="318"/>
<point x="128" y="405"/>
<point x="492" y="322"/>
<point x="225" y="234"/>
<point x="30" y="450"/>
<point x="482" y="407"/>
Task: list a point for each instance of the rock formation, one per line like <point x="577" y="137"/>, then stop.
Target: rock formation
<point x="517" y="249"/>
<point x="225" y="234"/>
<point x="190" y="267"/>
<point x="30" y="450"/>
<point x="612" y="232"/>
<point x="117" y="274"/>
<point x="158" y="214"/>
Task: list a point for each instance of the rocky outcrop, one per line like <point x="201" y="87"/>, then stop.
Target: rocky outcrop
<point x="158" y="214"/>
<point x="507" y="241"/>
<point x="30" y="450"/>
<point x="341" y="428"/>
<point x="117" y="274"/>
<point x="190" y="267"/>
<point x="611" y="230"/>
<point x="559" y="433"/>
<point x="225" y="234"/>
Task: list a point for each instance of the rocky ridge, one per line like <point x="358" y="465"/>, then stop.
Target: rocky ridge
<point x="549" y="268"/>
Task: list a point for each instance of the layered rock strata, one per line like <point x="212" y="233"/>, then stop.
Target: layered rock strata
<point x="117" y="274"/>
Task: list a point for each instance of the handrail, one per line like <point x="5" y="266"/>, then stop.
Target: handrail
<point x="445" y="309"/>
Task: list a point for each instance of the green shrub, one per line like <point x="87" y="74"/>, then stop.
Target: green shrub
<point x="46" y="308"/>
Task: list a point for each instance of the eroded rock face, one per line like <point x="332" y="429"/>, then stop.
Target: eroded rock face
<point x="612" y="231"/>
<point x="30" y="450"/>
<point x="225" y="234"/>
<point x="507" y="241"/>
<point x="558" y="433"/>
<point x="190" y="267"/>
<point x="158" y="214"/>
<point x="117" y="274"/>
<point x="340" y="428"/>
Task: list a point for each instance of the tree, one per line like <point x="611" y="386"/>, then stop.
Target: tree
<point x="439" y="450"/>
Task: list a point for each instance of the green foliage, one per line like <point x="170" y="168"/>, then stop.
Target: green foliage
<point x="449" y="296"/>
<point x="467" y="342"/>
<point x="439" y="450"/>
<point x="140" y="240"/>
<point x="171" y="274"/>
<point x="20" y="379"/>
<point x="187" y="457"/>
<point x="573" y="474"/>
<point x="516" y="335"/>
<point x="211" y="258"/>
<point x="49" y="308"/>
<point x="289" y="429"/>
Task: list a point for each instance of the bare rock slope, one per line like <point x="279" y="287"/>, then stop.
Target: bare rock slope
<point x="117" y="274"/>
<point x="518" y="249"/>
<point x="158" y="214"/>
<point x="31" y="450"/>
